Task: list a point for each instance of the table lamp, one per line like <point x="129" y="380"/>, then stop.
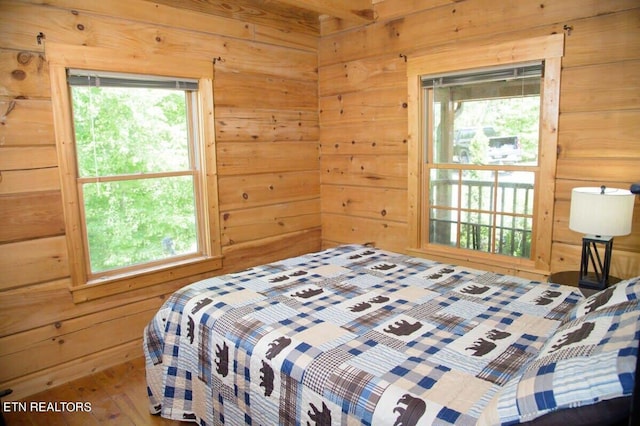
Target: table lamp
<point x="600" y="213"/>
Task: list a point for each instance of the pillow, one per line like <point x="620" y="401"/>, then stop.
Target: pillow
<point x="611" y="412"/>
<point x="587" y="360"/>
<point x="627" y="290"/>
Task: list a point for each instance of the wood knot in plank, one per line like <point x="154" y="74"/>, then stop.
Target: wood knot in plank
<point x="10" y="107"/>
<point x="24" y="58"/>
<point x="19" y="75"/>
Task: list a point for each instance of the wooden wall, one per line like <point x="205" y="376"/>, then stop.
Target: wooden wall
<point x="280" y="89"/>
<point x="267" y="132"/>
<point x="363" y="121"/>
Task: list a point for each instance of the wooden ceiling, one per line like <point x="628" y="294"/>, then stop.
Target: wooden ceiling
<point x="360" y="11"/>
<point x="298" y="15"/>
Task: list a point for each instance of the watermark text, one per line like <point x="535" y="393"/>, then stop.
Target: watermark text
<point x="45" y="406"/>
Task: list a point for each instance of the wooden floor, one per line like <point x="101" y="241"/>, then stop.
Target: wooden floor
<point x="118" y="396"/>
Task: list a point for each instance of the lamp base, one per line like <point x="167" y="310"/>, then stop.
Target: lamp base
<point x="591" y="281"/>
<point x="599" y="277"/>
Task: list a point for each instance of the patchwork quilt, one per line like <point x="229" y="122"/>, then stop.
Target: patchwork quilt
<point x="359" y="335"/>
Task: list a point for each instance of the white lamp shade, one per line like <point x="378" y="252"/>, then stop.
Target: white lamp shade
<point x="609" y="214"/>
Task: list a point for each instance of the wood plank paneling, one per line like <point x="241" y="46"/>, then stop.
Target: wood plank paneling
<point x="275" y="14"/>
<point x="23" y="74"/>
<point x="277" y="36"/>
<point x="148" y="38"/>
<point x="252" y="253"/>
<point x="17" y="181"/>
<point x="242" y="125"/>
<point x="268" y="221"/>
<point x="25" y="122"/>
<point x="375" y="203"/>
<point x="380" y="73"/>
<point x="615" y="36"/>
<point x="63" y="373"/>
<point x="33" y="261"/>
<point x="26" y="158"/>
<point x="329" y="24"/>
<point x="240" y="158"/>
<point x="250" y="191"/>
<point x="376" y="138"/>
<point x="598" y="170"/>
<point x="302" y="125"/>
<point x="266" y="128"/>
<point x="389" y="171"/>
<point x="30" y="215"/>
<point x="123" y="326"/>
<point x="22" y="15"/>
<point x="165" y="15"/>
<point x="351" y="229"/>
<point x="356" y="10"/>
<point x="239" y="56"/>
<point x="589" y="135"/>
<point x="264" y="92"/>
<point x="50" y="303"/>
<point x="564" y="187"/>
<point x="599" y="105"/>
<point x="454" y="22"/>
<point x="601" y="87"/>
<point x="371" y="105"/>
<point x="20" y="342"/>
<point x="387" y="10"/>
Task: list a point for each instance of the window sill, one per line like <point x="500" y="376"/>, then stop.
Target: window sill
<point x="140" y="279"/>
<point x="507" y="265"/>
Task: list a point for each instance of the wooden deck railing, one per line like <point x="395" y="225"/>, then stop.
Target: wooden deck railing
<point x="509" y="210"/>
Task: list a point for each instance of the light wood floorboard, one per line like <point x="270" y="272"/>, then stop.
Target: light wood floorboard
<point x="118" y="396"/>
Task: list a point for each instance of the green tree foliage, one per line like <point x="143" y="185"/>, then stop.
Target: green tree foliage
<point x="517" y="116"/>
<point x="134" y="132"/>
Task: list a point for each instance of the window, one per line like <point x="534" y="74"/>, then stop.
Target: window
<point x="136" y="150"/>
<point x="136" y="156"/>
<point x="482" y="153"/>
<point x="481" y="164"/>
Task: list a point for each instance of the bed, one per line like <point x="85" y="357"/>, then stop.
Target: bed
<point x="359" y="335"/>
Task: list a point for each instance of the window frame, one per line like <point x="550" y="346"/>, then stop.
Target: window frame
<point x="470" y="57"/>
<point x="64" y="57"/>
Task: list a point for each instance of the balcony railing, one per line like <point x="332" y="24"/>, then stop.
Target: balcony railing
<point x="493" y="221"/>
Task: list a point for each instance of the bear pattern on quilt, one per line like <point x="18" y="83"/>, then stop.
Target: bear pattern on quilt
<point x="354" y="334"/>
